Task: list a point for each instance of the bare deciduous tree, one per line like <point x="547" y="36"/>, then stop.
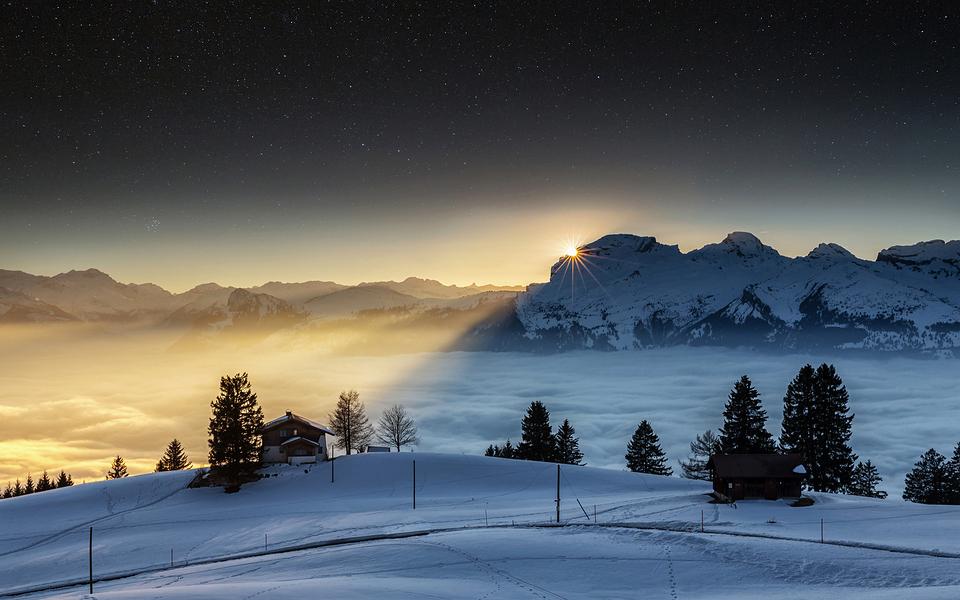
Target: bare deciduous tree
<point x="396" y="428"/>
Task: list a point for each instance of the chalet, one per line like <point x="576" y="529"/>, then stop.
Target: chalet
<point x="769" y="476"/>
<point x="295" y="440"/>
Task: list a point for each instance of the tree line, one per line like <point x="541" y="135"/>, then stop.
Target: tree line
<point x="817" y="425"/>
<point x="539" y="442"/>
<point x="44" y="483"/>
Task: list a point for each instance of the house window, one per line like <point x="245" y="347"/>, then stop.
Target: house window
<point x="284" y="432"/>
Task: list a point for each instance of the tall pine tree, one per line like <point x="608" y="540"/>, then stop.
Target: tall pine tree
<point x="797" y="431"/>
<point x="832" y="466"/>
<point x="235" y="440"/>
<point x="174" y="458"/>
<point x="29" y="487"/>
<point x="44" y="483"/>
<point x="864" y="481"/>
<point x="644" y="454"/>
<point x="537" y="441"/>
<point x="702" y="448"/>
<point x="952" y="477"/>
<point x="568" y="445"/>
<point x="744" y="422"/>
<point x="927" y="482"/>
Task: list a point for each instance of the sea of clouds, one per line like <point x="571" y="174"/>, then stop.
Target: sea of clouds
<point x="74" y="402"/>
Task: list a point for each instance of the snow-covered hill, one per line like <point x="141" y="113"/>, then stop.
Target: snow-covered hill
<point x="477" y="531"/>
<point x="629" y="292"/>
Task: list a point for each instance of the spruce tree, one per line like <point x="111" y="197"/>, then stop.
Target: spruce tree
<point x="118" y="468"/>
<point x="508" y="450"/>
<point x="44" y="483"/>
<point x="17" y="488"/>
<point x="644" y="454"/>
<point x="29" y="488"/>
<point x="701" y="449"/>
<point x="926" y="483"/>
<point x="864" y="481"/>
<point x="64" y="480"/>
<point x="832" y="467"/>
<point x="798" y="430"/>
<point x="8" y="491"/>
<point x="349" y="421"/>
<point x="952" y="477"/>
<point x="568" y="445"/>
<point x="537" y="441"/>
<point x="744" y="426"/>
<point x="492" y="450"/>
<point x="174" y="458"/>
<point x="235" y="440"/>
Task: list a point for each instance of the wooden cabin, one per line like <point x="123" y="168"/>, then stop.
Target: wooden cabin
<point x="769" y="476"/>
<point x="294" y="440"/>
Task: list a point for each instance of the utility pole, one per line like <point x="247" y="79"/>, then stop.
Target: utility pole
<point x="90" y="560"/>
<point x="701" y="521"/>
<point x="414" y="484"/>
<point x="332" y="461"/>
<point x="558" y="493"/>
<point x="821" y="530"/>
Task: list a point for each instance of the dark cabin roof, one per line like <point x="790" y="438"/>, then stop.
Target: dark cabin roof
<point x="289" y="417"/>
<point x="757" y="466"/>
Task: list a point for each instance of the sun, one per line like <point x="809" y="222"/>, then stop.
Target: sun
<point x="571" y="251"/>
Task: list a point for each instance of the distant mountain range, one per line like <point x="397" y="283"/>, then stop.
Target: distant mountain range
<point x="629" y="292"/>
<point x="94" y="296"/>
<point x="622" y="292"/>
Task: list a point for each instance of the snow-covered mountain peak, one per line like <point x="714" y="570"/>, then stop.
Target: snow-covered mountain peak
<point x="831" y="251"/>
<point x="922" y="253"/>
<point x="740" y="244"/>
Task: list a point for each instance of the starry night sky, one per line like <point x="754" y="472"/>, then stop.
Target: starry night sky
<point x="251" y="138"/>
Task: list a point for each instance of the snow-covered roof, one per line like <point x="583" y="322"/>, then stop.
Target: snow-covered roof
<point x="300" y="439"/>
<point x="289" y="416"/>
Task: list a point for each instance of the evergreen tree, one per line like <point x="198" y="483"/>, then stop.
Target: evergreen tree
<point x="744" y="427"/>
<point x="8" y="491"/>
<point x="17" y="488"/>
<point x="926" y="483"/>
<point x="44" y="483"/>
<point x="118" y="468"/>
<point x="834" y="459"/>
<point x="505" y="451"/>
<point x="644" y="454"/>
<point x="235" y="441"/>
<point x="567" y="445"/>
<point x="864" y="481"/>
<point x="174" y="458"/>
<point x="797" y="431"/>
<point x="64" y="480"/>
<point x="30" y="487"/>
<point x="349" y="421"/>
<point x="952" y="477"/>
<point x="396" y="428"/>
<point x="537" y="441"/>
<point x="701" y="449"/>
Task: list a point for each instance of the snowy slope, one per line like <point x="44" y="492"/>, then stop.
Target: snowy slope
<point x="627" y="292"/>
<point x="645" y="539"/>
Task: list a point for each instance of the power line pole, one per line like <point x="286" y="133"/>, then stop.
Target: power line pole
<point x="90" y="560"/>
<point x="332" y="461"/>
<point x="558" y="493"/>
<point x="414" y="484"/>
